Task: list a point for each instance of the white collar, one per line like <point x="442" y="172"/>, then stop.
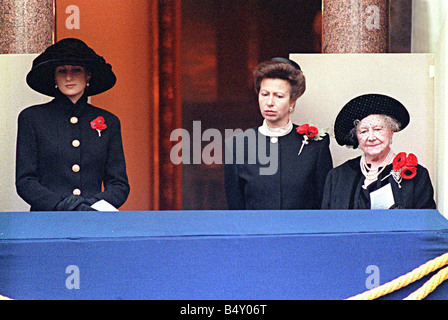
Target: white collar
<point x="274" y="133"/>
<point x="265" y="130"/>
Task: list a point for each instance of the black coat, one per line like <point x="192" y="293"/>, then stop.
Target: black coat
<point x="297" y="183"/>
<point x="59" y="155"/>
<point x="343" y="188"/>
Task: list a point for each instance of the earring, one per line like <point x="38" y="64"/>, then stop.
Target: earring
<point x="291" y="109"/>
<point x="87" y="84"/>
<point x="56" y="86"/>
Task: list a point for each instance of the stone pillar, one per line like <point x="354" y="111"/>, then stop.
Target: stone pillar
<point x="355" y="26"/>
<point x="26" y="26"/>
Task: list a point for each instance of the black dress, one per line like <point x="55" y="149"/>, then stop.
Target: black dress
<point x="343" y="188"/>
<point x="291" y="181"/>
<point x="59" y="154"/>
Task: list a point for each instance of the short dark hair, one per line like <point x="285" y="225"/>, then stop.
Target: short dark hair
<point x="280" y="70"/>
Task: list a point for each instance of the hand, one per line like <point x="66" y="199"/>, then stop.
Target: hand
<point x="73" y="203"/>
<point x="84" y="207"/>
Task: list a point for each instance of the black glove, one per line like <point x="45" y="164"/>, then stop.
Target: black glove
<point x="84" y="207"/>
<point x="73" y="203"/>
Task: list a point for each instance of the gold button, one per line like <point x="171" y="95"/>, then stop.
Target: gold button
<point x="74" y="120"/>
<point x="76" y="143"/>
<point x="77" y="192"/>
<point x="76" y="168"/>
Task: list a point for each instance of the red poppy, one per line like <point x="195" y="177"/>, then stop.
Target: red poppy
<point x="399" y="161"/>
<point x="406" y="165"/>
<point x="411" y="160"/>
<point x="303" y="129"/>
<point x="310" y="131"/>
<point x="98" y="124"/>
<point x="408" y="172"/>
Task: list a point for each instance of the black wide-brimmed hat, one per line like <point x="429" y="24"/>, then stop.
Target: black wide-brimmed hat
<point x="70" y="51"/>
<point x="363" y="106"/>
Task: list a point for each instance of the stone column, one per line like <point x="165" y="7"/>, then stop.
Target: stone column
<point x="355" y="26"/>
<point x="26" y="26"/>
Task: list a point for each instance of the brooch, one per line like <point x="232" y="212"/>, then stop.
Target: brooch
<point x="98" y="124"/>
<point x="309" y="133"/>
<point x="403" y="167"/>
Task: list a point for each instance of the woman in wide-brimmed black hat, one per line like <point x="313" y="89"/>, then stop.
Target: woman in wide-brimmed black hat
<point x="380" y="178"/>
<point x="70" y="153"/>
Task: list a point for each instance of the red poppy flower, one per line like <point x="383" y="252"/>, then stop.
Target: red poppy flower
<point x="399" y="161"/>
<point x="303" y="129"/>
<point x="411" y="160"/>
<point x="405" y="165"/>
<point x="310" y="131"/>
<point x="98" y="124"/>
<point x="408" y="172"/>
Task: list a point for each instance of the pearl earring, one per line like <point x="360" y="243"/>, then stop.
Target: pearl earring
<point x="291" y="109"/>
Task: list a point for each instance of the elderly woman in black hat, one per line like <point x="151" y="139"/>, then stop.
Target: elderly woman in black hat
<point x="69" y="153"/>
<point x="380" y="178"/>
<point x="299" y="156"/>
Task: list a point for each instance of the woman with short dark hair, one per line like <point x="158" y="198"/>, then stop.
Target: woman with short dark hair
<point x="299" y="156"/>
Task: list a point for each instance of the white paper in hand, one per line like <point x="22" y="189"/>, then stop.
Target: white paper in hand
<point x="382" y="198"/>
<point x="103" y="205"/>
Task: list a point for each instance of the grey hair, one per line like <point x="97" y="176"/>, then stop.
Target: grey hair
<point x="390" y="122"/>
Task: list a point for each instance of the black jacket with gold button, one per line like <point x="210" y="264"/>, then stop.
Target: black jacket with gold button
<point x="59" y="155"/>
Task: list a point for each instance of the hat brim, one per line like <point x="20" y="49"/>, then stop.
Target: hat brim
<point x="41" y="78"/>
<point x="363" y="106"/>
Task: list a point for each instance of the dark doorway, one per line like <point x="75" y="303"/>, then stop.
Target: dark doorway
<point x="222" y="41"/>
